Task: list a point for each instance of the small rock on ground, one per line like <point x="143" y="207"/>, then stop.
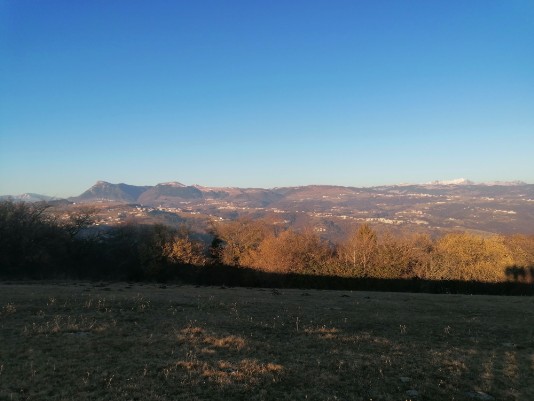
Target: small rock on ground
<point x="412" y="393"/>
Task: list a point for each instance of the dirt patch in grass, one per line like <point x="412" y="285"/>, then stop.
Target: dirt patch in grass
<point x="118" y="341"/>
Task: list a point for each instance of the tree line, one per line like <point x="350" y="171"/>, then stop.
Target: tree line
<point x="368" y="254"/>
<point x="37" y="243"/>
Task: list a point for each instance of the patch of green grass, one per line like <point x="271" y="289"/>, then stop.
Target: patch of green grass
<point x="141" y="342"/>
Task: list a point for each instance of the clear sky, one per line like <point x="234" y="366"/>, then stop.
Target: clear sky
<point x="264" y="93"/>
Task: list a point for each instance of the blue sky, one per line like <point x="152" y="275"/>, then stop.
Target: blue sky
<point x="274" y="93"/>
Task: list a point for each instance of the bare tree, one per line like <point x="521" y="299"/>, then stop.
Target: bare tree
<point x="360" y="249"/>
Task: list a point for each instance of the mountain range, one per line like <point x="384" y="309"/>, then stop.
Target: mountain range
<point x="170" y="193"/>
<point x="494" y="207"/>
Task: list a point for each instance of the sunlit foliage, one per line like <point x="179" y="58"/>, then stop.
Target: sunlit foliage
<point x="36" y="243"/>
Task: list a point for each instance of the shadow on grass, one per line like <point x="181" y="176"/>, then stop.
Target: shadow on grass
<point x="520" y="274"/>
<point x="247" y="277"/>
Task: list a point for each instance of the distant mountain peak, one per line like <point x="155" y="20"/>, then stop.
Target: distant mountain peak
<point x="456" y="181"/>
<point x="29" y="197"/>
<point x="104" y="190"/>
<point x="173" y="184"/>
<point x="465" y="181"/>
<point x="504" y="183"/>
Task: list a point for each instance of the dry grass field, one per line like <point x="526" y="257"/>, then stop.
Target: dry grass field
<point x="120" y="341"/>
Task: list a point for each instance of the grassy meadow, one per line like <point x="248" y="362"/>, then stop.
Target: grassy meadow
<point x="123" y="341"/>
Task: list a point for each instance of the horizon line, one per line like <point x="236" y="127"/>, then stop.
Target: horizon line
<point x="451" y="182"/>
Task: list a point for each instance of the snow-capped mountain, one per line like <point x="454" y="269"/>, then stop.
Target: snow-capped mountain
<point x="465" y="181"/>
<point x="504" y="183"/>
<point x="456" y="181"/>
<point x="175" y="184"/>
<point x="29" y="197"/>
